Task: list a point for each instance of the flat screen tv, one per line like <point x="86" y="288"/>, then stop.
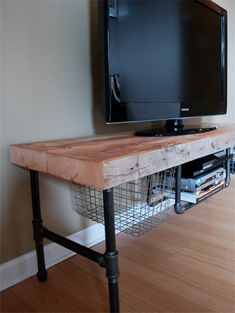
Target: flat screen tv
<point x="162" y="60"/>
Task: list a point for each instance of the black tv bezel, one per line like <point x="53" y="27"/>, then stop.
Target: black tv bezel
<point x="103" y="16"/>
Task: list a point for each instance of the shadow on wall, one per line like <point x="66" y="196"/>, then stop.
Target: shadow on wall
<point x="98" y="120"/>
<point x="16" y="224"/>
<point x="56" y="208"/>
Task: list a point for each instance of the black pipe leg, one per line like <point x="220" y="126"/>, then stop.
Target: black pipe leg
<point x="111" y="255"/>
<point x="227" y="167"/>
<point x="37" y="226"/>
<point x="114" y="297"/>
<point x="179" y="209"/>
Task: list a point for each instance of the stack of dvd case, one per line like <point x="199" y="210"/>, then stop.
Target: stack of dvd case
<point x="201" y="178"/>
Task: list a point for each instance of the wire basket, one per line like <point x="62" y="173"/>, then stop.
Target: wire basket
<point x="139" y="205"/>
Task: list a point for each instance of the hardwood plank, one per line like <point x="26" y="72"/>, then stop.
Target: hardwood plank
<point x="108" y="161"/>
<point x="11" y="302"/>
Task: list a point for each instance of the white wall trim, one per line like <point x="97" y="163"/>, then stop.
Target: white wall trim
<point x="25" y="266"/>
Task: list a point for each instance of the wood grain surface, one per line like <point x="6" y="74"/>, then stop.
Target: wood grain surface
<point x="107" y="161"/>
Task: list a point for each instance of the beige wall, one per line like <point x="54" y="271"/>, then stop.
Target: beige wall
<point x="46" y="85"/>
<point x="49" y="60"/>
<point x="49" y="82"/>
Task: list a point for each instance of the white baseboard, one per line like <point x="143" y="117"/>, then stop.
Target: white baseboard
<point x="25" y="266"/>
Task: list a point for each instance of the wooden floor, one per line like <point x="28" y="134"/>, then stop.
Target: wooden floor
<point x="185" y="265"/>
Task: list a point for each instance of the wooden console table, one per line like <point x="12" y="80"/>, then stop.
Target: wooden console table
<point x="104" y="162"/>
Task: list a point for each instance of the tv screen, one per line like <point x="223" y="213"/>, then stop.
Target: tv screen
<point x="162" y="59"/>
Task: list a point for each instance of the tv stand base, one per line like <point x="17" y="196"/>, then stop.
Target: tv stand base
<point x="173" y="128"/>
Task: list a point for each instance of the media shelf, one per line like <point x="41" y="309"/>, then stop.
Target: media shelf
<point x="232" y="162"/>
<point x="119" y="172"/>
<point x="202" y="178"/>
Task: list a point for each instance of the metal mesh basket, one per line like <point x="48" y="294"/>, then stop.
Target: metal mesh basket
<point x="139" y="205"/>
